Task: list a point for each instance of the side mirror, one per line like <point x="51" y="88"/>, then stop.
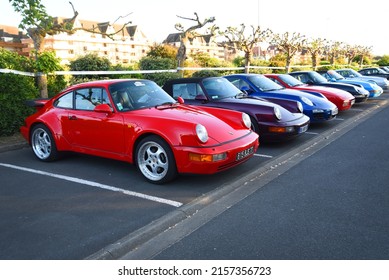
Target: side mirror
<point x="246" y="89"/>
<point x="103" y="108"/>
<point x="180" y="100"/>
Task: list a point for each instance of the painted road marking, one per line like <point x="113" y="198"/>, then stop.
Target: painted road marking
<point x="95" y="184"/>
<point x="261" y="155"/>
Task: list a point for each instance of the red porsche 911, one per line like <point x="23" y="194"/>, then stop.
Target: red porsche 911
<point x="136" y="121"/>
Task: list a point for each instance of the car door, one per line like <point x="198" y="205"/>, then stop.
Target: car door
<point x="90" y="130"/>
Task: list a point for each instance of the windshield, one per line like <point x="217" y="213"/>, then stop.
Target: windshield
<point x="220" y="88"/>
<point x="263" y="83"/>
<point x="290" y="80"/>
<point x="351" y="73"/>
<point x="335" y="75"/>
<point x="381" y="71"/>
<point x="136" y="94"/>
<point x="317" y="78"/>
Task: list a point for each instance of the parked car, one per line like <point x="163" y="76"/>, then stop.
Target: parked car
<point x="316" y="107"/>
<point x="374" y="71"/>
<point x="354" y="75"/>
<point x="342" y="99"/>
<point x="370" y="86"/>
<point x="136" y="121"/>
<point x="314" y="78"/>
<point x="385" y="68"/>
<point x="271" y="121"/>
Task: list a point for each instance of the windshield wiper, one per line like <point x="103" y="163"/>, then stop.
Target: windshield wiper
<point x="241" y="95"/>
<point x="166" y="104"/>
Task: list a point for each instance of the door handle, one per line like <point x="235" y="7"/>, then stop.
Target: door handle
<point x="72" y="118"/>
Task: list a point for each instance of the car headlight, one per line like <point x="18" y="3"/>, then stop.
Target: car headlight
<point x="277" y="113"/>
<point x="246" y="120"/>
<point x="201" y="133"/>
<point x="307" y="101"/>
<point x="300" y="106"/>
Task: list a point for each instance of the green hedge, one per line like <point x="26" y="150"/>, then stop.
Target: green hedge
<point x="14" y="91"/>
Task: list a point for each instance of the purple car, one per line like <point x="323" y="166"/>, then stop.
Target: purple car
<point x="270" y="120"/>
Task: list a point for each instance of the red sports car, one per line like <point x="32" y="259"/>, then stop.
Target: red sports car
<point x="136" y="121"/>
<point x="342" y="99"/>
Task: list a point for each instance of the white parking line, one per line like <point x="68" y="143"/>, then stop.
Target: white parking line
<point x="95" y="184"/>
<point x="261" y="155"/>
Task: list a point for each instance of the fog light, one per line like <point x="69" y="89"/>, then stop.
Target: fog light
<point x="278" y="129"/>
<point x="207" y="158"/>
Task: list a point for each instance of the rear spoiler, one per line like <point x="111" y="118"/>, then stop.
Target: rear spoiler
<point x="37" y="103"/>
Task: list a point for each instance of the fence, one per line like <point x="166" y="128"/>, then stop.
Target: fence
<point x="155" y="71"/>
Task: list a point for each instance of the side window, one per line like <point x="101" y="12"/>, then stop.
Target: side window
<point x="179" y="90"/>
<point x="99" y="96"/>
<point x="303" y="78"/>
<point x="88" y="98"/>
<point x="276" y="81"/>
<point x="187" y="91"/>
<point x="65" y="101"/>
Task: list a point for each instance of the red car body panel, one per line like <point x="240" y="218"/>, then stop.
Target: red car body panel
<point x="342" y="99"/>
<point x="115" y="134"/>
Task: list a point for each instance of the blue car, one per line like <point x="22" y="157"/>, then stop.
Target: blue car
<point x="317" y="107"/>
<point x="333" y="76"/>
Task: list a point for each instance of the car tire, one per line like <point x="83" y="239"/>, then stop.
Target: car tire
<point x="155" y="160"/>
<point x="43" y="144"/>
<point x="254" y="125"/>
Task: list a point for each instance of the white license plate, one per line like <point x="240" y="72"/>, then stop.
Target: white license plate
<point x="302" y="129"/>
<point x="243" y="154"/>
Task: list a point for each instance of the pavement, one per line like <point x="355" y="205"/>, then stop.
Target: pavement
<point x="8" y="143"/>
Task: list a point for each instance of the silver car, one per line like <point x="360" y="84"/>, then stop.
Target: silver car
<point x="352" y="74"/>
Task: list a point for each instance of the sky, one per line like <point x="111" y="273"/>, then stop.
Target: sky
<point x="353" y="22"/>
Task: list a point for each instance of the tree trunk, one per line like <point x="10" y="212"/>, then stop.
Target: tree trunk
<point x="287" y="67"/>
<point x="314" y="62"/>
<point x="40" y="78"/>
<point x="247" y="60"/>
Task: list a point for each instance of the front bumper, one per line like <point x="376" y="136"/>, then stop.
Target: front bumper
<point x="237" y="152"/>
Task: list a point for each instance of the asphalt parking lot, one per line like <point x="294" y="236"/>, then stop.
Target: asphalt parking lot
<point x="86" y="207"/>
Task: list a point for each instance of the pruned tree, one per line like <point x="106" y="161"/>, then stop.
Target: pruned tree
<point x="334" y="49"/>
<point x="350" y="52"/>
<point x="239" y="39"/>
<point x="363" y="52"/>
<point x="38" y="24"/>
<point x="188" y="34"/>
<point x="289" y="44"/>
<point x="315" y="47"/>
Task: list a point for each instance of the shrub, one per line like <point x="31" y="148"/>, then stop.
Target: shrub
<point x="158" y="63"/>
<point x="14" y="91"/>
<point x="206" y="73"/>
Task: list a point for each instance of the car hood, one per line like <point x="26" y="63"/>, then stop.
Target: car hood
<point x="286" y="92"/>
<point x="327" y="91"/>
<point x="184" y="118"/>
<point x="369" y="78"/>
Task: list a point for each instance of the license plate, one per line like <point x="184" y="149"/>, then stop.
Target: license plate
<point x="302" y="129"/>
<point x="243" y="154"/>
